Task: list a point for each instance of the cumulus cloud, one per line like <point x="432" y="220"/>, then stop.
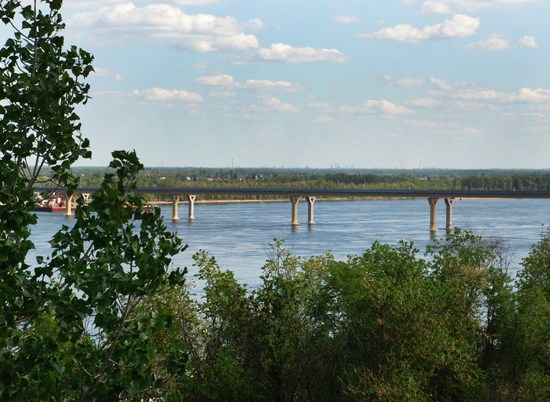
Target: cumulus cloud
<point x="274" y="104"/>
<point x="528" y="41"/>
<point x="227" y="81"/>
<point x="459" y="26"/>
<point x="498" y="42"/>
<point x="493" y="42"/>
<point x="426" y="102"/>
<point x="486" y="95"/>
<point x="442" y="84"/>
<point x="270" y="85"/>
<point x="104" y="73"/>
<point x="435" y="7"/>
<point x="376" y="106"/>
<point x="346" y="19"/>
<point x="163" y="23"/>
<point x="255" y="24"/>
<point x="221" y="80"/>
<point x="286" y="53"/>
<point x="163" y="95"/>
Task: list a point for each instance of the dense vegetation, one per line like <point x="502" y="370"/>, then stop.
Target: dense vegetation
<point x="387" y="325"/>
<point x="505" y="180"/>
<point x="107" y="317"/>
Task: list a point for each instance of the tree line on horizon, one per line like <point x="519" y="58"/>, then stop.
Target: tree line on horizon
<point x="287" y="178"/>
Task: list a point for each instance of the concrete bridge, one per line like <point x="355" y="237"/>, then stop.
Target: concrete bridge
<point x="310" y="195"/>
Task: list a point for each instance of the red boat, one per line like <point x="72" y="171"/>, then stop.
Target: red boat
<point x="55" y="203"/>
<point x="51" y="208"/>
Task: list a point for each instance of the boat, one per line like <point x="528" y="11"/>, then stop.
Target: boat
<point x="51" y="208"/>
<point x="54" y="203"/>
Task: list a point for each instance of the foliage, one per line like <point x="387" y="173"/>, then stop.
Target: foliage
<point x="385" y="325"/>
<point x="531" y="373"/>
<point x="71" y="326"/>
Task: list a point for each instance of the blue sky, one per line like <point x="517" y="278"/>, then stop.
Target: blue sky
<point x="277" y="83"/>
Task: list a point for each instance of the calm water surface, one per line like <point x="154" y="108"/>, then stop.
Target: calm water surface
<point x="239" y="234"/>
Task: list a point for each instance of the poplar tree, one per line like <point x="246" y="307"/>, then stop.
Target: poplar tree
<point x="70" y="323"/>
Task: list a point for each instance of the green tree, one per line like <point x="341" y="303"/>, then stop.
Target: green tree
<point x="272" y="343"/>
<point x="530" y="371"/>
<point x="70" y="324"/>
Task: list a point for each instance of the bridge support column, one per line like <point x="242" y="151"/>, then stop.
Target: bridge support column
<point x="175" y="205"/>
<point x="294" y="201"/>
<point x="310" y="210"/>
<point x="433" y="213"/>
<point x="69" y="205"/>
<point x="191" y="199"/>
<point x="449" y="205"/>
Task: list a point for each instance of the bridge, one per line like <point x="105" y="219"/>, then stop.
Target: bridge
<point x="310" y="195"/>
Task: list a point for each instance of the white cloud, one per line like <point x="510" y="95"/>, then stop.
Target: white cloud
<point x="270" y="85"/>
<point x="435" y="7"/>
<point x="323" y="106"/>
<point x="493" y="42"/>
<point x="288" y="54"/>
<point x="426" y="102"/>
<point x="227" y="81"/>
<point x="104" y="73"/>
<point x="498" y="42"/>
<point x="489" y="95"/>
<point x="376" y="106"/>
<point x="528" y="41"/>
<point x="441" y="84"/>
<point x="221" y="80"/>
<point x="459" y="26"/>
<point x="255" y="24"/>
<point x="346" y="19"/>
<point x="162" y="95"/>
<point x="125" y="22"/>
<point x="274" y="104"/>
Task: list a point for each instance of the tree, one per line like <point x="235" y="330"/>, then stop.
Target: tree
<point x="70" y="324"/>
<point x="529" y="374"/>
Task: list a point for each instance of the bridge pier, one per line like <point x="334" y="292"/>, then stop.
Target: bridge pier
<point x="310" y="210"/>
<point x="433" y="213"/>
<point x="294" y="203"/>
<point x="175" y="205"/>
<point x="191" y="199"/>
<point x="449" y="209"/>
<point x="68" y="205"/>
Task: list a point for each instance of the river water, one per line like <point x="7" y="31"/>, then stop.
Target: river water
<point x="238" y="234"/>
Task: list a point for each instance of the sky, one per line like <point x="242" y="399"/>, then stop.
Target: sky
<point x="461" y="84"/>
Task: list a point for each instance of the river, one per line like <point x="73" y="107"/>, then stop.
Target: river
<point x="237" y="234"/>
